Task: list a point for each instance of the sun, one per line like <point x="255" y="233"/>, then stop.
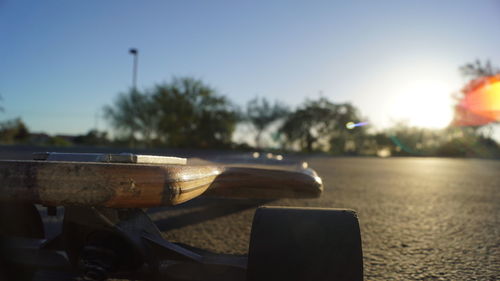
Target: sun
<point x="424" y="103"/>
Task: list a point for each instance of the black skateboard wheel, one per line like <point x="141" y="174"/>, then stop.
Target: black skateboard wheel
<point x="305" y="244"/>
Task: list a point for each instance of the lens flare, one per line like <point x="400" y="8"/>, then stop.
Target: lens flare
<point x="480" y="104"/>
<point x="352" y="125"/>
<point x="401" y="146"/>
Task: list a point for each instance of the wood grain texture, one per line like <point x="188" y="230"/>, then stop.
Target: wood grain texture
<point x="136" y="186"/>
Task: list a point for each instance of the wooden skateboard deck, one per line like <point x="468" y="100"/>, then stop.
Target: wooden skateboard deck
<point x="124" y="185"/>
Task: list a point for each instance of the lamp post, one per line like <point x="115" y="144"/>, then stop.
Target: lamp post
<point x="134" y="52"/>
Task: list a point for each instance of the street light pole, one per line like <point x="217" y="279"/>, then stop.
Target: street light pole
<point x="134" y="52"/>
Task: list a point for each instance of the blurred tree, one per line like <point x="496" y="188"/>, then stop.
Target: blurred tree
<point x="261" y="113"/>
<point x="135" y="115"/>
<point x="345" y="140"/>
<point x="321" y="125"/>
<point x="478" y="69"/>
<point x="192" y="114"/>
<point x="469" y="145"/>
<point x="13" y="131"/>
<point x="183" y="113"/>
<point x="406" y="140"/>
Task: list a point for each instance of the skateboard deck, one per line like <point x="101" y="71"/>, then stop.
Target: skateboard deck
<point x="154" y="183"/>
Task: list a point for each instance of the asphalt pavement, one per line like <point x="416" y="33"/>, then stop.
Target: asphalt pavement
<point x="421" y="218"/>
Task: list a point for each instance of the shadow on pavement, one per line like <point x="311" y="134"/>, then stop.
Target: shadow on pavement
<point x="199" y="210"/>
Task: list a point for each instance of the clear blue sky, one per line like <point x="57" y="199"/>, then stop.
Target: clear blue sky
<point x="62" y="61"/>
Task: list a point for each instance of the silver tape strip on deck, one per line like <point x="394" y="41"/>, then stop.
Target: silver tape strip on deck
<point x="109" y="158"/>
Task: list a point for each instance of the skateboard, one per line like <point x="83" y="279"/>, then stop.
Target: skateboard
<point x="106" y="232"/>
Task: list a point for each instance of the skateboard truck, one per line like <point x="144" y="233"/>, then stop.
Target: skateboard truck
<point x="98" y="241"/>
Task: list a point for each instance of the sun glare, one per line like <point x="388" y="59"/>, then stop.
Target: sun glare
<point x="425" y="104"/>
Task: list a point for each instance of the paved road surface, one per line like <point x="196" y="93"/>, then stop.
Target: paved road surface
<point x="421" y="218"/>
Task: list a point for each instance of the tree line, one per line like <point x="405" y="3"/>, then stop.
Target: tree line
<point x="189" y="113"/>
<point x="186" y="112"/>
